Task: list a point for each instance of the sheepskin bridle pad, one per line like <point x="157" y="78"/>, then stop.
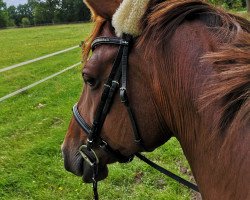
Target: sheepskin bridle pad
<point x="127" y="16"/>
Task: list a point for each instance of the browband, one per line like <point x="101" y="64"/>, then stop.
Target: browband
<point x="107" y="40"/>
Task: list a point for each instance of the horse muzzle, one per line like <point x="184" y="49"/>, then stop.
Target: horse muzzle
<point x="92" y="168"/>
<point x="81" y="163"/>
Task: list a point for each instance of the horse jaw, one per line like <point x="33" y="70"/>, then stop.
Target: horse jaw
<point x="103" y="8"/>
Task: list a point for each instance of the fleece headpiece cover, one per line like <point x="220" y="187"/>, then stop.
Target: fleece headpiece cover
<point x="126" y="18"/>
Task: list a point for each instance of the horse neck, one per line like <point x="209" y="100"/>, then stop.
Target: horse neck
<point x="219" y="159"/>
<point x="177" y="83"/>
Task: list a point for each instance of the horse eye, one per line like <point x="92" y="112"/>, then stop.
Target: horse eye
<point x="89" y="80"/>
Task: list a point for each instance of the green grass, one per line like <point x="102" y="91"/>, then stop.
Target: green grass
<point x="33" y="125"/>
<point x="20" y="77"/>
<point x="18" y="45"/>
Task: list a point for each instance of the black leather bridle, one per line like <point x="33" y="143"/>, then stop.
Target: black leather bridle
<point x="118" y="76"/>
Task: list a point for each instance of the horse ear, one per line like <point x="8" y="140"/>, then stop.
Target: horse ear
<point x="103" y="8"/>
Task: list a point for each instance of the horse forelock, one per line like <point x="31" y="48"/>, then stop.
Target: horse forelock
<point x="231" y="61"/>
<point x="86" y="46"/>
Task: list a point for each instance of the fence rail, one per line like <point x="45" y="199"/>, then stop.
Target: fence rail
<point x="38" y="82"/>
<point x="37" y="59"/>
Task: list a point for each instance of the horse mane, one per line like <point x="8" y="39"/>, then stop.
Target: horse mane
<point x="86" y="45"/>
<point x="231" y="61"/>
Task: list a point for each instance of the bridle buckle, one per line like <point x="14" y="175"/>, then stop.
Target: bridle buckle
<point x="89" y="155"/>
<point x="123" y="95"/>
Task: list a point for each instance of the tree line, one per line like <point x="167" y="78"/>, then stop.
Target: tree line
<point x="232" y="4"/>
<point x="37" y="12"/>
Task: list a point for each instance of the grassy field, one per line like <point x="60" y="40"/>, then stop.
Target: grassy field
<point x="33" y="125"/>
<point x="18" y="45"/>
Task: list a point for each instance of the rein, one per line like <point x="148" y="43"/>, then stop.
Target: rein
<point x="118" y="76"/>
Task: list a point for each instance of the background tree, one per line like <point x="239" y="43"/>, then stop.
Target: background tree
<point x="51" y="8"/>
<point x="248" y="5"/>
<point x="4" y="16"/>
<point x="22" y="12"/>
<point x="72" y="11"/>
<point x="25" y="22"/>
<point x="231" y="4"/>
<point x="44" y="11"/>
<point x="12" y="15"/>
<point x="33" y="3"/>
<point x="40" y="14"/>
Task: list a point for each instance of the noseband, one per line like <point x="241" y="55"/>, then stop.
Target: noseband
<point x="118" y="76"/>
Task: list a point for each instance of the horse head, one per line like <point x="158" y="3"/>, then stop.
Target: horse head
<point x="117" y="129"/>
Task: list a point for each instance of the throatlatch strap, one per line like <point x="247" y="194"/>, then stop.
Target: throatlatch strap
<point x="124" y="97"/>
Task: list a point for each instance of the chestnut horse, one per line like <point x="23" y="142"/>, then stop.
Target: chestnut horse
<point x="188" y="77"/>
